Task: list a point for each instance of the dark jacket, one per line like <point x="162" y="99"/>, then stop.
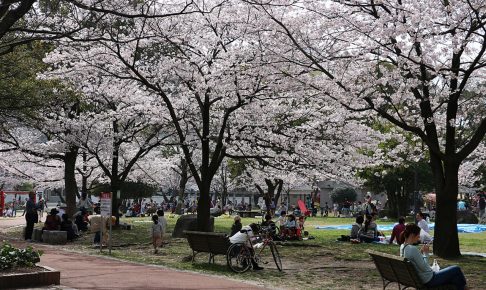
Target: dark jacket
<point x="236" y="227"/>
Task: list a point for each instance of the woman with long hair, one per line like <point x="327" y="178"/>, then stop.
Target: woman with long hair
<point x="368" y="233"/>
<point x="420" y="261"/>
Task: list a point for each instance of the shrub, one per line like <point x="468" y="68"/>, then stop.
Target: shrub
<point x="340" y="194"/>
<point x="11" y="257"/>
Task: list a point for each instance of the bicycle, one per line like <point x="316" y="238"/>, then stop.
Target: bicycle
<point x="239" y="256"/>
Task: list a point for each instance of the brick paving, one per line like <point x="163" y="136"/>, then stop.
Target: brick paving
<point x="79" y="271"/>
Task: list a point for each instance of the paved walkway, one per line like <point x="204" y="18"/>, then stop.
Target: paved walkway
<point x="80" y="271"/>
<point x="88" y="272"/>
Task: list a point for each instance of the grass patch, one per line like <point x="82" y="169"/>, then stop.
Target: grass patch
<point x="321" y="263"/>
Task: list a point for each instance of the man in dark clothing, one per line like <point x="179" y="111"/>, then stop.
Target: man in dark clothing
<point x="30" y="216"/>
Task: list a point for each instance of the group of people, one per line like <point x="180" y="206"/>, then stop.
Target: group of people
<point x="366" y="230"/>
<point x="408" y="236"/>
<point x="148" y="207"/>
<point x="349" y="209"/>
<point x="363" y="230"/>
<point x="10" y="209"/>
<point x="288" y="225"/>
<point x="58" y="220"/>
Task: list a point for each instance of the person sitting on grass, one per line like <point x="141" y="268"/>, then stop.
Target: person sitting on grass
<point x="397" y="231"/>
<point x="290" y="227"/>
<point x="368" y="233"/>
<point x="354" y="234"/>
<point x="422" y="222"/>
<point x="419" y="259"/>
<point x="244" y="237"/>
<point x="53" y="221"/>
<point x="282" y="219"/>
<point x="301" y="222"/>
<point x="236" y="227"/>
<point x="268" y="223"/>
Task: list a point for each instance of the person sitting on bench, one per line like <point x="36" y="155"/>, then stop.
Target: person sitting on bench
<point x="419" y="259"/>
<point x="53" y="221"/>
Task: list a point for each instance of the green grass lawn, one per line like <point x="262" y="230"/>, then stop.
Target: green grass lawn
<point x="321" y="263"/>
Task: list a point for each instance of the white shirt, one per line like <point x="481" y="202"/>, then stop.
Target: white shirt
<point x="163" y="222"/>
<point x="423" y="225"/>
<point x="157" y="229"/>
<point x="242" y="238"/>
<point x="281" y="220"/>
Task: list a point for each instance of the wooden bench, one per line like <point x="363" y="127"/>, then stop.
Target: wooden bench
<point x="207" y="242"/>
<point x="395" y="269"/>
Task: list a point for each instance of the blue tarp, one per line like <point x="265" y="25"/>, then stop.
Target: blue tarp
<point x="461" y="228"/>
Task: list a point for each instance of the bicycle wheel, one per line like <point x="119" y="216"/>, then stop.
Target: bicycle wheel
<point x="238" y="258"/>
<point x="276" y="256"/>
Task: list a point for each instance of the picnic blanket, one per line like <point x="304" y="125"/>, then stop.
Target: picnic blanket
<point x="461" y="228"/>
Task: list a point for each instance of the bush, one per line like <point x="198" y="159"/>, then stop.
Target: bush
<point x="340" y="194"/>
<point x="11" y="257"/>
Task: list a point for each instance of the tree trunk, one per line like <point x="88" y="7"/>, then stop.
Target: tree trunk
<point x="115" y="179"/>
<point x="84" y="185"/>
<point x="70" y="180"/>
<point x="184" y="177"/>
<point x="115" y="186"/>
<point x="164" y="195"/>
<point x="392" y="204"/>
<point x="203" y="206"/>
<point x="279" y="191"/>
<point x="397" y="203"/>
<point x="446" y="239"/>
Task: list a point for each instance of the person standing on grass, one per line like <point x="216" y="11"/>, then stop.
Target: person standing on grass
<point x="157" y="231"/>
<point x="163" y="222"/>
<point x="31" y="216"/>
<point x="420" y="258"/>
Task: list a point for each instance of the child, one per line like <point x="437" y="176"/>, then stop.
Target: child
<point x="157" y="232"/>
<point x="290" y="224"/>
<point x="282" y="219"/>
<point x="289" y="229"/>
<point x="236" y="227"/>
<point x="268" y="223"/>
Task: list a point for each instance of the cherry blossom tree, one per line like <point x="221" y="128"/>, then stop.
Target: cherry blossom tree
<point x="202" y="67"/>
<point x="417" y="64"/>
<point x="25" y="21"/>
